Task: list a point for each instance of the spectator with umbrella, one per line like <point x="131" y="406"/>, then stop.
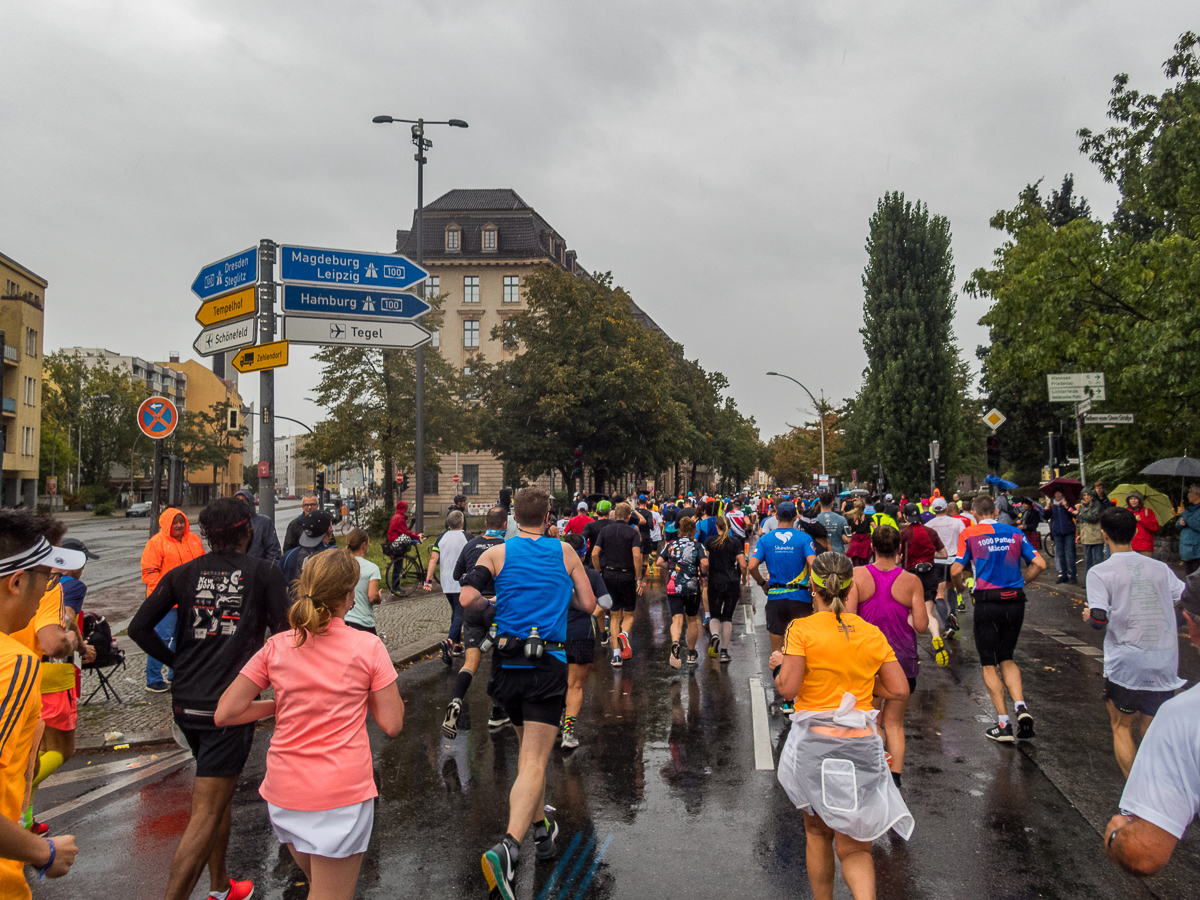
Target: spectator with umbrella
<point x="1189" y="529"/>
<point x="1150" y="507"/>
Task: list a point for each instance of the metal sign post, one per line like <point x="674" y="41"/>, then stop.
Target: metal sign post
<point x="266" y="381"/>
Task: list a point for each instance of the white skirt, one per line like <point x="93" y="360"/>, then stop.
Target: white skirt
<point x="333" y="833"/>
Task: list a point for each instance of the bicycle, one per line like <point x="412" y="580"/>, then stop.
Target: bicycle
<point x="406" y="563"/>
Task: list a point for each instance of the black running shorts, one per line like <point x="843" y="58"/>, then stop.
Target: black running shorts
<point x="537" y="694"/>
<point x="997" y="627"/>
<point x="929" y="582"/>
<point x="780" y="614"/>
<point x="581" y="653"/>
<point x="682" y="605"/>
<point x="219" y="752"/>
<point x="624" y="594"/>
<point x="1129" y="700"/>
<point x="723" y="600"/>
<point x="476" y="623"/>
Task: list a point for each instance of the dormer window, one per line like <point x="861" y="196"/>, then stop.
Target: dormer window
<point x="453" y="238"/>
<point x="489" y="239"/>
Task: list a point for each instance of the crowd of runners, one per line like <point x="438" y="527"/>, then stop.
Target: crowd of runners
<point x="852" y="586"/>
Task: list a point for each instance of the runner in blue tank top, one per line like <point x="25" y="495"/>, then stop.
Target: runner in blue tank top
<point x="535" y="579"/>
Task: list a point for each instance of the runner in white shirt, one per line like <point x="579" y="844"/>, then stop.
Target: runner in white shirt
<point x="445" y="552"/>
<point x="1162" y="795"/>
<point x="948" y="528"/>
<point x="1134" y="597"/>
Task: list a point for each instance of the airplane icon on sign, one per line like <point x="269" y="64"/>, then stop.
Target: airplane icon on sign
<point x="336" y="330"/>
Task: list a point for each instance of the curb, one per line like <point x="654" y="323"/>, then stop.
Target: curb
<point x="140" y="739"/>
<point x="415" y="650"/>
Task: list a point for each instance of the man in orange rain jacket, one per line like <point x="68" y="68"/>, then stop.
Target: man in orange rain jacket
<point x="174" y="545"/>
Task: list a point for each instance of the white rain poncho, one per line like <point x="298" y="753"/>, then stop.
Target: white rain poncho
<point x="834" y="765"/>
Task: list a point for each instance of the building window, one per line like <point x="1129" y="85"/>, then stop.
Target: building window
<point x="12" y="289"/>
<point x="27" y="441"/>
<point x="435" y="337"/>
<point x="470" y="289"/>
<point x="512" y="288"/>
<point x="431" y="481"/>
<point x="471" y="333"/>
<point x="31" y="342"/>
<point x="470" y="480"/>
<point x="30" y="391"/>
<point x="433" y="287"/>
<point x="489" y="240"/>
<point x="453" y="237"/>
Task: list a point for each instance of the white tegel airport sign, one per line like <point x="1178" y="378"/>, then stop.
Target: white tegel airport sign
<point x="343" y="332"/>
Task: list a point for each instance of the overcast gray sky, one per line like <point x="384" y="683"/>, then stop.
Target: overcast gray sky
<point x="722" y="159"/>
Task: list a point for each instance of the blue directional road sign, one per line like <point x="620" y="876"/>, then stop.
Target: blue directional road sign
<point x="351" y="303"/>
<point x="348" y="268"/>
<point x="227" y="274"/>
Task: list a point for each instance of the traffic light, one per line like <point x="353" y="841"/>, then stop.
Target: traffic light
<point x="232" y="417"/>
<point x="577" y="472"/>
<point x="941" y="470"/>
<point x="320" y="482"/>
<point x="993" y="453"/>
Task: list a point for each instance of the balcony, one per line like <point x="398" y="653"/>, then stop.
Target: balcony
<point x="12" y="356"/>
<point x="10" y="406"/>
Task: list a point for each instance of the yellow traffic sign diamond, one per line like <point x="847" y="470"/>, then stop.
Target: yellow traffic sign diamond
<point x="995" y="418"/>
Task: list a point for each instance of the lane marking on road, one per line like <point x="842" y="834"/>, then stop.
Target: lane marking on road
<point x="112" y="768"/>
<point x="747" y="619"/>
<point x="1090" y="651"/>
<point x="764" y="759"/>
<point x="134" y="778"/>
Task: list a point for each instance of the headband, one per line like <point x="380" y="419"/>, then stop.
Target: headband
<point x="820" y="582"/>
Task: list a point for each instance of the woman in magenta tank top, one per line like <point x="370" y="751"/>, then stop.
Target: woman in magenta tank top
<point x="893" y="601"/>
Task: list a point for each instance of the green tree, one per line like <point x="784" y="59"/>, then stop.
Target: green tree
<point x="1116" y="297"/>
<point x="909" y="397"/>
<point x="205" y="442"/>
<point x="588" y="374"/>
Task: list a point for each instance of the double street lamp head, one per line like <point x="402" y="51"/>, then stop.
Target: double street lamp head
<point x="388" y="120"/>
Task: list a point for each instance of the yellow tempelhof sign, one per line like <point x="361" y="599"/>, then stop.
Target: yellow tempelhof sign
<point x="265" y="356"/>
<point x="224" y="309"/>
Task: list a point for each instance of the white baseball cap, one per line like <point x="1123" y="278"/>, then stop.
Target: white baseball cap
<point x="939" y="503"/>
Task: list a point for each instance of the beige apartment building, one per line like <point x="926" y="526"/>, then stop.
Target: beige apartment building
<point x="480" y="246"/>
<point x="22" y="316"/>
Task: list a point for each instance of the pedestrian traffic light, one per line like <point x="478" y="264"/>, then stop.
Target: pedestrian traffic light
<point x="577" y="472"/>
<point x="993" y="453"/>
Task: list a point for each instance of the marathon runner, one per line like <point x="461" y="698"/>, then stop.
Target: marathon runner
<point x="686" y="562"/>
<point x="920" y="546"/>
<point x="726" y="572"/>
<point x="789" y="554"/>
<point x="997" y="551"/>
<point x="581" y="646"/>
<point x="948" y="528"/>
<point x="617" y="556"/>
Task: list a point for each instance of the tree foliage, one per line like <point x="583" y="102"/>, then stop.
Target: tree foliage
<point x="910" y="395"/>
<point x="1072" y="293"/>
<point x="202" y="440"/>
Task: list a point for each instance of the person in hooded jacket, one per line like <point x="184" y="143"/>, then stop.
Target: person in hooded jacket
<point x="399" y="524"/>
<point x="1147" y="524"/>
<point x="265" y="543"/>
<point x="173" y="545"/>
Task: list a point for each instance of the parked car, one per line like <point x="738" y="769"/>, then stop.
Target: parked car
<point x="138" y="509"/>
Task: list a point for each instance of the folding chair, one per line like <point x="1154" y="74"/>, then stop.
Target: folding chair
<point x="115" y="660"/>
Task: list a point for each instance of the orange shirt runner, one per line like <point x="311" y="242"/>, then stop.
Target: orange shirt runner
<point x="836" y="659"/>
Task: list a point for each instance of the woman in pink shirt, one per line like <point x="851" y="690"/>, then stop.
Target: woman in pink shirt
<point x="319" y="785"/>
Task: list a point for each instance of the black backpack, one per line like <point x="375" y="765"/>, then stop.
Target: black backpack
<point x="686" y="575"/>
<point x="98" y="633"/>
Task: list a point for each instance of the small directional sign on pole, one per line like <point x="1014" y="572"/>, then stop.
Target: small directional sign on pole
<point x="347" y="268"/>
<point x="995" y="418"/>
<point x="227" y="274"/>
<point x="352" y="303"/>
<point x="1066" y="387"/>
<point x="1108" y="419"/>
<point x="265" y="356"/>
<point x="237" y="305"/>
<point x="226" y="336"/>
<point x="343" y="332"/>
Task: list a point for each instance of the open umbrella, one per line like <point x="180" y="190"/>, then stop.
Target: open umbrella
<point x="1000" y="483"/>
<point x="1070" y="487"/>
<point x="1156" y="501"/>
<point x="1179" y="466"/>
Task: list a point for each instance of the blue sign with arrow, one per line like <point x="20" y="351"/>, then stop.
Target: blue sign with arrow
<point x="227" y="274"/>
<point x="351" y="303"/>
<point x="314" y="265"/>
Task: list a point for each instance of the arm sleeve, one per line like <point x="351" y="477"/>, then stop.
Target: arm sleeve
<point x="153" y="609"/>
<point x="383" y="672"/>
<point x="600" y="589"/>
<point x="258" y="669"/>
<point x="480" y="578"/>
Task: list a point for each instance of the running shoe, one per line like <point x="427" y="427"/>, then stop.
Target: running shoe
<point x="786" y="708"/>
<point x="693" y="658"/>
<point x="714" y="646"/>
<point x="543" y="838"/>
<point x="238" y="890"/>
<point x="569" y="741"/>
<point x="725" y="657"/>
<point x="605" y="637"/>
<point x="448" y="652"/>
<point x="623" y="643"/>
<point x="450" y="723"/>
<point x="616" y="659"/>
<point x="675" y="659"/>
<point x="1024" y="724"/>
<point x="940" y="654"/>
<point x="39" y="828"/>
<point x="157" y="688"/>
<point x="1001" y="735"/>
<point x="499" y="869"/>
<point x="499" y="718"/>
<point x="962" y="605"/>
<point x="952" y="623"/>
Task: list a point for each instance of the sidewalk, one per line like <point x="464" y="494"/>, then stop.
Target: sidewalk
<point x="410" y="628"/>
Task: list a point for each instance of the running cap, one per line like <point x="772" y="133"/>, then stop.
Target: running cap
<point x="77" y="544"/>
<point x="42" y="554"/>
<point x="887" y="497"/>
<point x="785" y="509"/>
<point x="912" y="512"/>
<point x="603" y="506"/>
<point x="641" y="496"/>
<point x="581" y="505"/>
<point x="939" y="504"/>
<point x="314" y="527"/>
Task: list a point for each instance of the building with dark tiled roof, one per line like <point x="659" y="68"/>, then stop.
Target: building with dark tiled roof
<point x="480" y="245"/>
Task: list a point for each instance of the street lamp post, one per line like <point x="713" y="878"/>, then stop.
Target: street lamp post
<point x="820" y="413"/>
<point x="420" y="142"/>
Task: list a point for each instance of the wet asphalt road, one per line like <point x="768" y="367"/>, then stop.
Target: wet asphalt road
<point x="663" y="799"/>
